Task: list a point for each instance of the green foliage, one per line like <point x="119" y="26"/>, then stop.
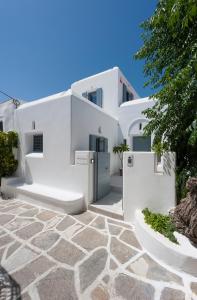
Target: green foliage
<point x="170" y="54"/>
<point x="119" y="150"/>
<point x="160" y="223"/>
<point x="8" y="164"/>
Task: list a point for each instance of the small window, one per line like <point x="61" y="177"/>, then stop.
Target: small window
<point x="95" y="97"/>
<point x="38" y="143"/>
<point x="1" y="125"/>
<point x="127" y="96"/>
<point x="92" y="97"/>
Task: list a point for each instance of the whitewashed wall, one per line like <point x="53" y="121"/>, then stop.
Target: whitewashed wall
<point x="146" y="185"/>
<point x="111" y="82"/>
<point x="66" y="123"/>
<point x="87" y="118"/>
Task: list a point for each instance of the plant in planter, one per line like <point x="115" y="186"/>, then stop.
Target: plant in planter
<point x="161" y="223"/>
<point x="8" y="163"/>
<point x="119" y="149"/>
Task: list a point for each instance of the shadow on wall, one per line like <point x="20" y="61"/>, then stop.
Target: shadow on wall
<point x="169" y="163"/>
<point x="28" y="176"/>
<point x="9" y="288"/>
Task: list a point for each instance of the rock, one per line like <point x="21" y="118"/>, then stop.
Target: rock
<point x="66" y="252"/>
<point x="185" y="214"/>
<point x="130" y="288"/>
<point x="58" y="284"/>
<point x="92" y="267"/>
<point x="45" y="240"/>
<point x="100" y="293"/>
<point x="172" y="294"/>
<point x="122" y="252"/>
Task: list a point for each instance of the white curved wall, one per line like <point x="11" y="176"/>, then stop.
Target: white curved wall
<point x="131" y="115"/>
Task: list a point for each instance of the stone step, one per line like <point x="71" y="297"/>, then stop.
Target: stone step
<point x="106" y="212"/>
<point x="116" y="189"/>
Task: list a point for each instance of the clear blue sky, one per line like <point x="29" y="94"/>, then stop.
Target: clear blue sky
<point x="48" y="44"/>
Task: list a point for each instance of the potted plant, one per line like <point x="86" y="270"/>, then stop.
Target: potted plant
<point x="119" y="150"/>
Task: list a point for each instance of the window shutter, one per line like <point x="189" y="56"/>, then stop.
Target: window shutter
<point x="99" y="96"/>
<point x="85" y="95"/>
<point x="124" y="94"/>
<point x="92" y="143"/>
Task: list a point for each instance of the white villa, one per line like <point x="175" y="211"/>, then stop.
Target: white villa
<point x="66" y="155"/>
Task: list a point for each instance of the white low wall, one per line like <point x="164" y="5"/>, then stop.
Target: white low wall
<point x="182" y="256"/>
<point x="147" y="185"/>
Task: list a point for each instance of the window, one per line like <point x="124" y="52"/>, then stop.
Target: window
<point x="92" y="97"/>
<point x="127" y="96"/>
<point x="95" y="96"/>
<point x="1" y="125"/>
<point x="38" y="143"/>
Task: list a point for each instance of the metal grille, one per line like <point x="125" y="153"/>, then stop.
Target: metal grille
<point x="38" y="143"/>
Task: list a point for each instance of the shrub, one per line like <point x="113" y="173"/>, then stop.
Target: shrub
<point x="160" y="223"/>
<point x="182" y="175"/>
<point x="8" y="163"/>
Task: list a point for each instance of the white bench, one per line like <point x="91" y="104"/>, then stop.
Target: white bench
<point x="50" y="197"/>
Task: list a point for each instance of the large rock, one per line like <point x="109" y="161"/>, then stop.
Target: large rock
<point x="185" y="214"/>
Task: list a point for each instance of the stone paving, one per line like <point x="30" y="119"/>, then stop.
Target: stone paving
<point x="47" y="255"/>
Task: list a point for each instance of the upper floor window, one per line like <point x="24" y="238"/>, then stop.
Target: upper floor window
<point x="127" y="96"/>
<point x="38" y="143"/>
<point x="1" y="125"/>
<point x="95" y="97"/>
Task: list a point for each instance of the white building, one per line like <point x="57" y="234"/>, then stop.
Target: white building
<point x="7" y="109"/>
<point x="67" y="139"/>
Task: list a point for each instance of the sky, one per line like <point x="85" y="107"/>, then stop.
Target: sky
<point x="46" y="45"/>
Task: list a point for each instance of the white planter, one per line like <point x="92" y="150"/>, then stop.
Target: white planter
<point x="182" y="257"/>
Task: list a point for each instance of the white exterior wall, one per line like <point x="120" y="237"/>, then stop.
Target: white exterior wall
<point x="111" y="82"/>
<point x="66" y="123"/>
<point x="88" y="118"/>
<point x="122" y="79"/>
<point x="52" y="117"/>
<point x="130" y="116"/>
<point x="146" y="185"/>
<point x="7" y="109"/>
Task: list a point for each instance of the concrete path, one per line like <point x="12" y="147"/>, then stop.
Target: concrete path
<point x="47" y="255"/>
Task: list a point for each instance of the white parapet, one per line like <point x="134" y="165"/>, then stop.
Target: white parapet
<point x="147" y="183"/>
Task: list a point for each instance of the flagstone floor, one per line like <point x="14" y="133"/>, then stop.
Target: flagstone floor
<point x="47" y="255"/>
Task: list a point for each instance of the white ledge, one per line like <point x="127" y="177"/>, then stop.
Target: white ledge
<point x="35" y="155"/>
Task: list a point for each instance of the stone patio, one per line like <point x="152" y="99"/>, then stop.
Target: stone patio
<point x="47" y="255"/>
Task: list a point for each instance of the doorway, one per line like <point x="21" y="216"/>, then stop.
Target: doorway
<point x="101" y="166"/>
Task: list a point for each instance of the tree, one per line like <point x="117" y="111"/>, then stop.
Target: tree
<point x="119" y="150"/>
<point x="170" y="54"/>
<point x="8" y="164"/>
